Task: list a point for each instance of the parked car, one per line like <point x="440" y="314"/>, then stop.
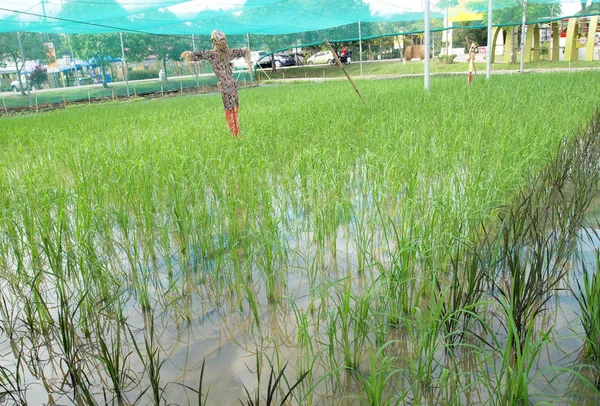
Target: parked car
<point x="280" y="60"/>
<point x="15" y="86"/>
<point x="240" y="63"/>
<point x="321" y="58"/>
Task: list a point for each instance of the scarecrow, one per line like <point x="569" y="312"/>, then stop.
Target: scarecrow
<point x="472" y="69"/>
<point x="220" y="58"/>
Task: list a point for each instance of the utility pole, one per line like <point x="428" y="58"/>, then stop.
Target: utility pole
<point x="427" y="43"/>
<point x="491" y="49"/>
<point x="74" y="61"/>
<point x="360" y="48"/>
<point x="523" y="25"/>
<point x="23" y="67"/>
<point x="123" y="64"/>
<point x="195" y="66"/>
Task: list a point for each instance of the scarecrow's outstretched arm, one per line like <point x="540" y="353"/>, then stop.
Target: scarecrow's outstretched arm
<point x="241" y="52"/>
<point x="190" y="56"/>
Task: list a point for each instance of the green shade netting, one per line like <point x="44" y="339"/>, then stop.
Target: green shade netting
<point x="233" y="16"/>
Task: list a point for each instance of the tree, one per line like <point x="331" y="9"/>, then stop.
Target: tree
<point x="476" y="35"/>
<point x="100" y="47"/>
<point x="589" y="7"/>
<point x="33" y="47"/>
<point x="165" y="47"/>
<point x="514" y="14"/>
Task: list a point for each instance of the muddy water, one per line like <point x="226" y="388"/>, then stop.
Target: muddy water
<point x="230" y="323"/>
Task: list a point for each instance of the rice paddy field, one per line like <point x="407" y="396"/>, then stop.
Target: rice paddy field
<point x="426" y="249"/>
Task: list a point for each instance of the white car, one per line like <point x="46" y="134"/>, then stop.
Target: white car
<point x="321" y="58"/>
<point x="15" y="86"/>
<point x="240" y="63"/>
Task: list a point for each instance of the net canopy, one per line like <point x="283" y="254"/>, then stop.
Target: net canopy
<point x="267" y="17"/>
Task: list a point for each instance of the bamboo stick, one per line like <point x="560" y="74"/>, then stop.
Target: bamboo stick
<point x="341" y="65"/>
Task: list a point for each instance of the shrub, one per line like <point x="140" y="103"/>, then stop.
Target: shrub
<point x="447" y="58"/>
<point x="143" y="74"/>
<point x="39" y="76"/>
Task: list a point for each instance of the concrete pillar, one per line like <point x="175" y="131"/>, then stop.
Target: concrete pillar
<point x="571" y="53"/>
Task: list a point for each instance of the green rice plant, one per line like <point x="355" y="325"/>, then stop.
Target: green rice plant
<point x="588" y="298"/>
<point x="273" y="386"/>
<point x="154" y="206"/>
<point x="467" y="278"/>
<point x="202" y="397"/>
<point x="424" y="329"/>
<point x="111" y="355"/>
<point x="518" y="355"/>
<point x="379" y="383"/>
<point x="150" y="357"/>
<point x="11" y="384"/>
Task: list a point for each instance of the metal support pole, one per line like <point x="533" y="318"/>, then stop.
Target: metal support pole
<point x="124" y="64"/>
<point x="252" y="70"/>
<point x="23" y="68"/>
<point x="427" y="42"/>
<point x="360" y="47"/>
<point x="523" y="25"/>
<point x="490" y="42"/>
<point x="445" y="34"/>
<point x="74" y="62"/>
<point x="195" y="66"/>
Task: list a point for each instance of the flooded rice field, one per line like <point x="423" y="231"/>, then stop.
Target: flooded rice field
<point x="301" y="269"/>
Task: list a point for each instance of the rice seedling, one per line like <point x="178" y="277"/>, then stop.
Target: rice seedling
<point x="317" y="238"/>
<point x="273" y="385"/>
<point x="11" y="384"/>
<point x="588" y="298"/>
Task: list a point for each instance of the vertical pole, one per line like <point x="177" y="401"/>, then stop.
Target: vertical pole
<point x="427" y="42"/>
<point x="195" y="66"/>
<point x="23" y="67"/>
<point x="445" y="35"/>
<point x="123" y="64"/>
<point x="360" y="47"/>
<point x="490" y="42"/>
<point x="74" y="63"/>
<point x="523" y="36"/>
<point x="251" y="71"/>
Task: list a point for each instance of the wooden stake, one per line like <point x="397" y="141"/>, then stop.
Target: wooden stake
<point x="113" y="94"/>
<point x="341" y="65"/>
<point x="323" y="74"/>
<point x="181" y="88"/>
<point x="162" y="93"/>
<point x="89" y="98"/>
<point x="37" y="109"/>
<point x="5" y="109"/>
<point x="64" y="101"/>
<point x="203" y="88"/>
<point x="134" y="92"/>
